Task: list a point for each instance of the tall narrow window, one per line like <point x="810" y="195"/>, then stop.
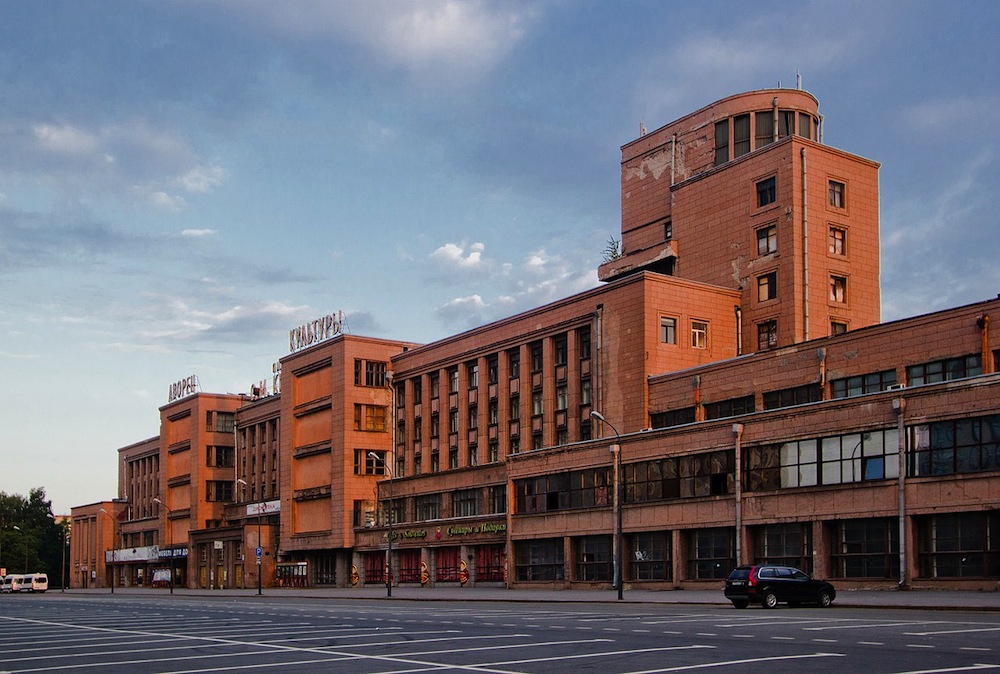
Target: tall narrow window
<point x="838" y="289"/>
<point x="805" y="125"/>
<point x="721" y="142"/>
<point x="837" y="194"/>
<point x="741" y="135"/>
<point x="699" y="335"/>
<point x="767" y="287"/>
<point x="765" y="128"/>
<point x="767" y="335"/>
<point x="668" y="330"/>
<point x="786" y="123"/>
<point x="767" y="191"/>
<point x="767" y="240"/>
<point x="838" y="241"/>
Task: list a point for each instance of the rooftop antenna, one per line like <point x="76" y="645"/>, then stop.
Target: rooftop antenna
<point x="798" y="79"/>
<point x="642" y="128"/>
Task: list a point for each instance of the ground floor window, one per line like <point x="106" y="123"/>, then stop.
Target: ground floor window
<point x="789" y="544"/>
<point x="409" y="566"/>
<point x="325" y="570"/>
<point x="713" y="553"/>
<point x="867" y="548"/>
<point x="448" y="561"/>
<point x="651" y="556"/>
<point x="490" y="563"/>
<point x="594" y="558"/>
<point x="959" y="545"/>
<point x="539" y="559"/>
<point x="374" y="567"/>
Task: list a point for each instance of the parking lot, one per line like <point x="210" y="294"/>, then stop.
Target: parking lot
<point x="161" y="633"/>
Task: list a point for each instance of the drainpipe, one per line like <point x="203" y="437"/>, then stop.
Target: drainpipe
<point x="738" y="436"/>
<point x="899" y="406"/>
<point x="983" y="323"/>
<point x="774" y="119"/>
<point x="599" y="329"/>
<point x="805" y="248"/>
<point x="739" y="329"/>
<point x="821" y="357"/>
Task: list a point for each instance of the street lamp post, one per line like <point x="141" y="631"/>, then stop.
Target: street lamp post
<point x="114" y="550"/>
<point x="169" y="544"/>
<point x="259" y="552"/>
<point x="616" y="450"/>
<point x="25" y="533"/>
<point x="388" y="550"/>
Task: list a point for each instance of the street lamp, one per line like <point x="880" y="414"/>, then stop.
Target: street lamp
<point x="17" y="528"/>
<point x="388" y="550"/>
<point x="169" y="546"/>
<point x="616" y="450"/>
<point x="258" y="553"/>
<point x="114" y="550"/>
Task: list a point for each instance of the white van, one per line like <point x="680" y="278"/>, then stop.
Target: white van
<point x="13" y="583"/>
<point x="35" y="582"/>
<point x="5" y="583"/>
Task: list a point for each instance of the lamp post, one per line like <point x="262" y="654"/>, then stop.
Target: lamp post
<point x="616" y="450"/>
<point x="388" y="550"/>
<point x="114" y="551"/>
<point x="25" y="533"/>
<point x="169" y="545"/>
<point x="62" y="570"/>
<point x="259" y="552"/>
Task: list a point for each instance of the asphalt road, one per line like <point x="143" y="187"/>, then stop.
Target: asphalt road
<point x="168" y="634"/>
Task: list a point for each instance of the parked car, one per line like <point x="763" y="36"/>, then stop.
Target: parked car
<point x="771" y="584"/>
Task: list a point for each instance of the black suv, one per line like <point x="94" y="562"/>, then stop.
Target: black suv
<point x="770" y="584"/>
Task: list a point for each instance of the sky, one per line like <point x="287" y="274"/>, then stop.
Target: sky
<point x="183" y="182"/>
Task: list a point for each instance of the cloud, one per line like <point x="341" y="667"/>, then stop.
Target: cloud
<point x="65" y="139"/>
<point x="166" y="202"/>
<point x="203" y="178"/>
<point x="944" y="119"/>
<point x="199" y="232"/>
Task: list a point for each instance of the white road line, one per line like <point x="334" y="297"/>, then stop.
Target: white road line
<point x="871" y="625"/>
<point x="970" y="668"/>
<point x="728" y="663"/>
<point x="965" y="631"/>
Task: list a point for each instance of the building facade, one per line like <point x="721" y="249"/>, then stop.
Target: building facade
<point x="728" y="395"/>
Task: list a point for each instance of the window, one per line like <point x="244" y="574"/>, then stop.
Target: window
<point x="837" y="328"/>
<point x="797" y="395"/>
<point x="409" y="565"/>
<point x="944" y="370"/>
<point x="374" y="567"/>
<point x="418" y="391"/>
<point x="514" y="363"/>
<point x="540" y="559"/>
<point x="536" y="403"/>
<point x="786" y="123"/>
<point x="428" y="507"/>
<point x="651" y="558"/>
<point x="593" y="558"/>
<point x="705" y="474"/>
<point x="668" y="330"/>
<point x="435" y="386"/>
<point x="452" y="421"/>
<point x="767" y="335"/>
<point x="767" y="287"/>
<point x="699" y="335"/>
<point x="805" y="125"/>
<point x="583" y="335"/>
<point x="721" y="142"/>
<point x="838" y="289"/>
<point x="729" y="408"/>
<point x="584" y="391"/>
<point x="225" y="422"/>
<point x="767" y="191"/>
<point x="435" y="425"/>
<point x="563" y="491"/>
<point x="490" y="563"/>
<point x="862" y="384"/>
<point x="370" y="418"/>
<point x="959" y="545"/>
<point x="220" y="491"/>
<point x="867" y="548"/>
<point x="497" y="499"/>
<point x="672" y="418"/>
<point x="366" y="464"/>
<point x="536" y="356"/>
<point x="668" y="230"/>
<point x="741" y="135"/>
<point x="767" y="240"/>
<point x="713" y="553"/>
<point x="837" y="194"/>
<point x="562" y="398"/>
<point x="493" y="450"/>
<point x="374" y="372"/>
<point x="453" y="380"/>
<point x="954" y="447"/>
<point x="221" y="457"/>
<point x="764" y="133"/>
<point x="465" y="503"/>
<point x="561" y="348"/>
<point x="492" y="369"/>
<point x="838" y="241"/>
<point x="472" y="372"/>
<point x="447" y="564"/>
<point x="789" y="544"/>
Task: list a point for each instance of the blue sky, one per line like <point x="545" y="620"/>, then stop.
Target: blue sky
<point x="183" y="182"/>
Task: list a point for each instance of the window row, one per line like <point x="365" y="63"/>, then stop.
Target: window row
<point x="733" y="135"/>
<point x="698" y="327"/>
<point x="472" y="502"/>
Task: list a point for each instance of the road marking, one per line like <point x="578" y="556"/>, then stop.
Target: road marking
<point x="964" y="631"/>
<point x="749" y="661"/>
<point x="970" y="668"/>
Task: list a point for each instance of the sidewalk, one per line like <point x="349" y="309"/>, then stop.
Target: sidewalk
<point x="923" y="599"/>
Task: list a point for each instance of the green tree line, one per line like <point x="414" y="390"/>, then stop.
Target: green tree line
<point x="31" y="540"/>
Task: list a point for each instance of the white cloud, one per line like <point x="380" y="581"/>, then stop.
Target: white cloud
<point x="203" y="178"/>
<point x="199" y="232"/>
<point x="455" y="255"/>
<point x="963" y="116"/>
<point x="166" y="202"/>
<point x="65" y="139"/>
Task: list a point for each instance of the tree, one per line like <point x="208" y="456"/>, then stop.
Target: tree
<point x="36" y="544"/>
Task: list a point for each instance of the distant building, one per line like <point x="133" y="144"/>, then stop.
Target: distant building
<point x="733" y="362"/>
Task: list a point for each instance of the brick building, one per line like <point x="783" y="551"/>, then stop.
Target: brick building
<point x="733" y="362"/>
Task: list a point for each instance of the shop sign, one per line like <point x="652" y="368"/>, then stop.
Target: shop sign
<point x="315" y="331"/>
<point x="173" y="552"/>
<point x="485" y="528"/>
<point x="410" y="533"/>
<point x="265" y="508"/>
<point x="182" y="388"/>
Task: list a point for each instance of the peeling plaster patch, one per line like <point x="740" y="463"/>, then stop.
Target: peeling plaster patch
<point x="737" y="264"/>
<point x="655" y="164"/>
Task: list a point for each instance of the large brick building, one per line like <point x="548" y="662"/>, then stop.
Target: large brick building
<point x="733" y="361"/>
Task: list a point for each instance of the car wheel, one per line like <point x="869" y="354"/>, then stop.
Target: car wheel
<point x="770" y="600"/>
<point x="825" y="600"/>
<point x="741" y="604"/>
